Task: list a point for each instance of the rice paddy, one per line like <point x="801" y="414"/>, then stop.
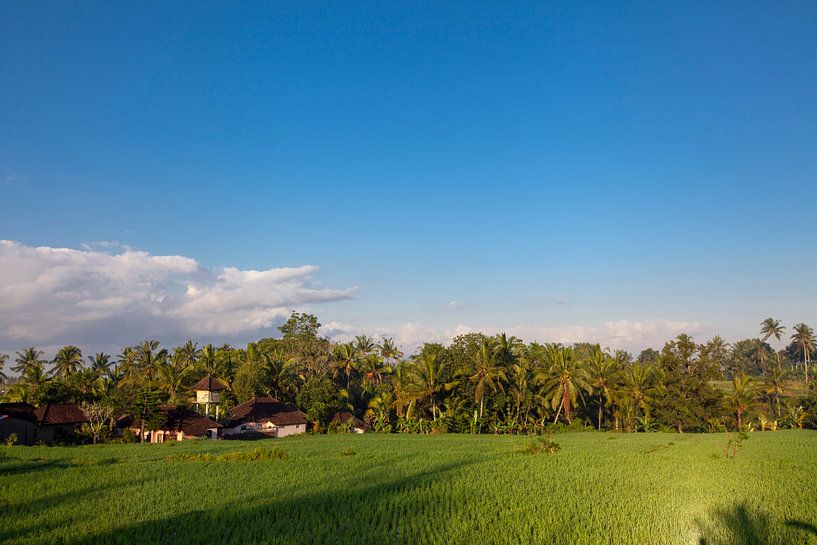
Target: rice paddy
<point x="595" y="488"/>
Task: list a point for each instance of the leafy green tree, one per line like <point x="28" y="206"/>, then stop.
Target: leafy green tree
<point x="67" y="362"/>
<point x="602" y="373"/>
<point x="300" y="325"/>
<point x="771" y="328"/>
<point x="346" y="359"/>
<point x="776" y="386"/>
<point x="149" y="358"/>
<point x="100" y="363"/>
<point x="485" y="372"/>
<point x="389" y="351"/>
<point x="563" y="380"/>
<point x="318" y="398"/>
<point x="803" y="338"/>
<point x="29" y="360"/>
<point x="428" y="375"/>
<point x="146" y="408"/>
<point x="742" y="398"/>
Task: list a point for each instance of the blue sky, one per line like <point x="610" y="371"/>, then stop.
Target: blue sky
<point x="548" y="169"/>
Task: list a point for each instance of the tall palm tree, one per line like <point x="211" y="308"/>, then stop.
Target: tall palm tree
<point x="346" y="360"/>
<point x="364" y="345"/>
<point x="128" y="366"/>
<point x="564" y="380"/>
<point x="485" y="372"/>
<point x="772" y="328"/>
<point x="100" y="363"/>
<point x="506" y="349"/>
<point x="760" y="353"/>
<point x="521" y="378"/>
<point x="638" y="384"/>
<point x="776" y="385"/>
<point x="803" y="337"/>
<point x="718" y="350"/>
<point x="278" y="371"/>
<point x="149" y="357"/>
<point x="67" y="362"/>
<point x="27" y="360"/>
<point x="427" y="373"/>
<point x="189" y="353"/>
<point x="172" y="379"/>
<point x="601" y="372"/>
<point x="742" y="397"/>
<point x="373" y="369"/>
<point x="389" y="351"/>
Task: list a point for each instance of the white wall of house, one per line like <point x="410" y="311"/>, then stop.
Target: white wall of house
<point x="268" y="427"/>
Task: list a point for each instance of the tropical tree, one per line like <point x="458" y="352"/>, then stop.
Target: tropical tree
<point x="28" y="360"/>
<point x="563" y="380"/>
<point x="776" y="385"/>
<point x="364" y="345"/>
<point x="346" y="360"/>
<point x="188" y="353"/>
<point x="485" y="373"/>
<point x="172" y="378"/>
<point x="742" y="397"/>
<point x="601" y="373"/>
<point x="638" y="384"/>
<point x="149" y="357"/>
<point x="389" y="351"/>
<point x="373" y="369"/>
<point x="67" y="361"/>
<point x="427" y="373"/>
<point x="100" y="363"/>
<point x="772" y="328"/>
<point x="803" y="337"/>
<point x="760" y="354"/>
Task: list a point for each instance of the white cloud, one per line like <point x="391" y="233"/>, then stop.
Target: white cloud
<point x="59" y="295"/>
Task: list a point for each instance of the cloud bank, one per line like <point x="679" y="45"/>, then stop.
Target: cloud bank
<point x="106" y="296"/>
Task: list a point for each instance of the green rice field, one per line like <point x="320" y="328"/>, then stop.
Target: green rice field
<point x="378" y="489"/>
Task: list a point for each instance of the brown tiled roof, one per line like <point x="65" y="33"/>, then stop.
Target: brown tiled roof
<point x="21" y="411"/>
<point x="176" y="419"/>
<point x="343" y="417"/>
<point x="59" y="414"/>
<point x="266" y="408"/>
<point x="209" y="383"/>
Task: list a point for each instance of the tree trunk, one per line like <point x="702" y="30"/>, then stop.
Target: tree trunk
<point x="600" y="412"/>
<point x="559" y="412"/>
<point x="740" y="420"/>
<point x="481" y="400"/>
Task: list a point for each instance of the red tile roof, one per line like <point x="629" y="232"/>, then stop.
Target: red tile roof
<point x="20" y="411"/>
<point x="59" y="414"/>
<point x="209" y="383"/>
<point x="343" y="417"/>
<point x="266" y="408"/>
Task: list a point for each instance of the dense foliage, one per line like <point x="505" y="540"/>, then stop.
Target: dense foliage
<point x="477" y="384"/>
<point x="598" y="488"/>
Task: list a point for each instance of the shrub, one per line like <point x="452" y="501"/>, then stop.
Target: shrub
<point x="543" y="445"/>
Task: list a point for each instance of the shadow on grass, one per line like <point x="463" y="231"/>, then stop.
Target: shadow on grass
<point x="378" y="510"/>
<point x="745" y="526"/>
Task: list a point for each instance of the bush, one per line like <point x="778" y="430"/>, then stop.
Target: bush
<point x="543" y="445"/>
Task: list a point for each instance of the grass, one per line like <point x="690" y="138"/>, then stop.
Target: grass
<point x="379" y="489"/>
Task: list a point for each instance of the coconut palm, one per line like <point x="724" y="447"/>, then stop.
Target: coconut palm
<point x="772" y="328"/>
<point x="427" y="374"/>
<point x="803" y="338"/>
<point x="172" y="379"/>
<point x="718" y="350"/>
<point x="364" y="345"/>
<point x="521" y="378"/>
<point x="601" y="373"/>
<point x="742" y="397"/>
<point x="128" y="367"/>
<point x="28" y="360"/>
<point x="149" y="357"/>
<point x="278" y="372"/>
<point x="389" y="351"/>
<point x="188" y="353"/>
<point x="485" y="372"/>
<point x="776" y="385"/>
<point x="563" y="380"/>
<point x="67" y="361"/>
<point x="100" y="363"/>
<point x="760" y="353"/>
<point x="346" y="360"/>
<point x="373" y="369"/>
<point x="506" y="349"/>
<point x="638" y="384"/>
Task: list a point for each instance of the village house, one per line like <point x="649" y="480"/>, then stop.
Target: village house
<point x="208" y="395"/>
<point x="58" y="421"/>
<point x="356" y="425"/>
<point x="177" y="424"/>
<point x="267" y="416"/>
<point x="18" y="419"/>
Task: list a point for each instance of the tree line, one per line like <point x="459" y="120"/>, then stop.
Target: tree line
<point x="477" y="383"/>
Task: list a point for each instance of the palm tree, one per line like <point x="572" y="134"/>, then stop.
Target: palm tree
<point x="427" y="374"/>
<point x="188" y="353"/>
<point x="373" y="369"/>
<point x="346" y="358"/>
<point x="563" y="379"/>
<point x="803" y="337"/>
<point x="760" y="353"/>
<point x="601" y="371"/>
<point x="506" y="349"/>
<point x="172" y="376"/>
<point x="521" y="378"/>
<point x="149" y="357"/>
<point x="772" y="328"/>
<point x="27" y="360"/>
<point x="389" y="351"/>
<point x="3" y="377"/>
<point x="128" y="366"/>
<point x="638" y="384"/>
<point x="100" y="363"/>
<point x="67" y="361"/>
<point x="278" y="371"/>
<point x="485" y="372"/>
<point x="742" y="397"/>
<point x="718" y="350"/>
<point x="364" y="345"/>
<point x="776" y="385"/>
